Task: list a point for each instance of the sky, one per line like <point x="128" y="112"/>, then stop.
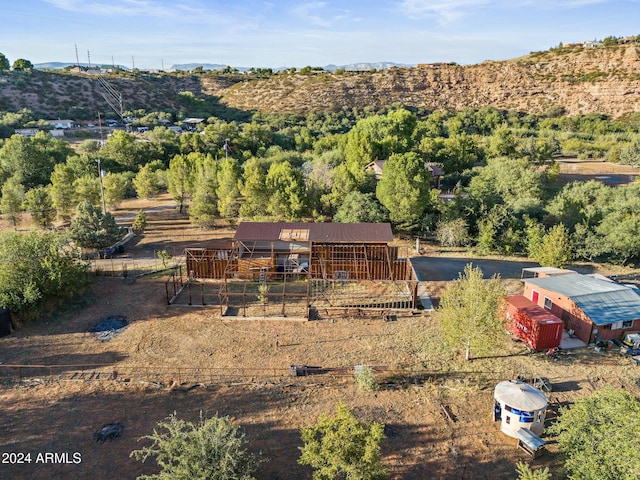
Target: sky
<point x="156" y="34"/>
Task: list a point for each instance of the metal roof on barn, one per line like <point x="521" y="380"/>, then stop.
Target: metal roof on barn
<point x="603" y="301"/>
<point x="315" y="232"/>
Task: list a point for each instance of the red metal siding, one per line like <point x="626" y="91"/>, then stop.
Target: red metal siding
<point x="539" y="329"/>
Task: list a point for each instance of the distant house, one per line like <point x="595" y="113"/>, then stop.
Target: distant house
<point x="593" y="307"/>
<point x="191" y="124"/>
<point x="61" y="124"/>
<point x="436" y="172"/>
<point x="27" y="132"/>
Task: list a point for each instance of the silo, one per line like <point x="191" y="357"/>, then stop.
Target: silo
<point x="519" y="405"/>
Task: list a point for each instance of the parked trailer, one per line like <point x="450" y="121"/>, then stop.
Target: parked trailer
<point x="538" y="328"/>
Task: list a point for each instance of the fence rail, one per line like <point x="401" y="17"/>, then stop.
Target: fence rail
<point x="167" y="375"/>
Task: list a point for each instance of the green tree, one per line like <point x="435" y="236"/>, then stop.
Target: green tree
<point x="405" y="189"/>
<point x="254" y="190"/>
<point x="470" y="312"/>
<point x="87" y="187"/>
<point x="140" y="222"/>
<point x="598" y="436"/>
<point x="4" y="63"/>
<point x="36" y="267"/>
<point x="62" y="190"/>
<point x="179" y="179"/>
<point x="214" y="448"/>
<point x="340" y="446"/>
<point x="11" y="201"/>
<point x="32" y="160"/>
<point x="526" y="473"/>
<point x="360" y="207"/>
<point x="203" y="206"/>
<point x="555" y="249"/>
<point x="228" y="190"/>
<point x="22" y="65"/>
<point x="121" y="152"/>
<point x="146" y="182"/>
<point x="91" y="229"/>
<point x="38" y="203"/>
<point x="115" y="187"/>
<point x="286" y="190"/>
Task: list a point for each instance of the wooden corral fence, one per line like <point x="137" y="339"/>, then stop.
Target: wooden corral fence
<point x="388" y="376"/>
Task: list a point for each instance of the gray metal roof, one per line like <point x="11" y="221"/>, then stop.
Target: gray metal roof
<point x="316" y="232"/>
<point x="603" y="301"/>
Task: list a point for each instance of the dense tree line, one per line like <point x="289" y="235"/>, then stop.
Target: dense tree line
<point x="499" y="164"/>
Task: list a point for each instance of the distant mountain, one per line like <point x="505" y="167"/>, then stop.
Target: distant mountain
<point x="63" y="65"/>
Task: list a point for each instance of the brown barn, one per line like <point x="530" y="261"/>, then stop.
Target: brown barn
<point x="594" y="308"/>
<point x="324" y="255"/>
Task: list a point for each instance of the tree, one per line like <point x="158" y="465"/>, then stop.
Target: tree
<point x="214" y="448"/>
<point x="179" y="179"/>
<point x="286" y="191"/>
<point x="470" y="312"/>
<point x="115" y="187"/>
<point x="36" y="267"/>
<point x="228" y="190"/>
<point x="254" y="190"/>
<point x="598" y="436"/>
<point x="340" y="446"/>
<point x="11" y="201"/>
<point x="452" y="233"/>
<point x="92" y="229"/>
<point x="22" y="65"/>
<point x="203" y="206"/>
<point x="405" y="189"/>
<point x="146" y="182"/>
<point x="360" y="207"/>
<point x="62" y="190"/>
<point x="140" y="222"/>
<point x="4" y="63"/>
<point x="555" y="249"/>
<point x="526" y="473"/>
<point x="121" y="152"/>
<point x="38" y="203"/>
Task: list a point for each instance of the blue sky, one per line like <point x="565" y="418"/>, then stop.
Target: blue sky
<point x="246" y="33"/>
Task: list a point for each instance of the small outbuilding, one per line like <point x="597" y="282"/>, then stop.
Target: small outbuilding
<point x="538" y="328"/>
<point x="519" y="405"/>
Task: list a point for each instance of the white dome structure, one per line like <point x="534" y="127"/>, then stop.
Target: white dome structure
<point x="519" y="405"/>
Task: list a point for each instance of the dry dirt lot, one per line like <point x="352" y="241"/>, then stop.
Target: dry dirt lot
<point x="187" y="359"/>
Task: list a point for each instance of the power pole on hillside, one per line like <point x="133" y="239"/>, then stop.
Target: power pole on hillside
<point x="77" y="59"/>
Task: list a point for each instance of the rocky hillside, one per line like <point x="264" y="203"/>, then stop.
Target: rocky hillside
<point x="603" y="79"/>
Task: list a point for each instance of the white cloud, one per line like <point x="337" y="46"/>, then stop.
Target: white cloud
<point x="147" y="8"/>
<point x="444" y="10"/>
<point x="447" y="11"/>
<point x="309" y="13"/>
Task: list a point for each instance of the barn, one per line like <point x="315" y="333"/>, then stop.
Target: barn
<point x="594" y="308"/>
<point x="326" y="265"/>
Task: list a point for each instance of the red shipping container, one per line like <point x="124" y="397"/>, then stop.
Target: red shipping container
<point x="538" y="328"/>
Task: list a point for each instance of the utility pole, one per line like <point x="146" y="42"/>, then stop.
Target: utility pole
<point x="226" y="148"/>
<point x="104" y="205"/>
<point x="89" y="58"/>
<point x="77" y="59"/>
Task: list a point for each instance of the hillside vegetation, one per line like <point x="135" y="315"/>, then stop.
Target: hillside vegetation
<point x="605" y="80"/>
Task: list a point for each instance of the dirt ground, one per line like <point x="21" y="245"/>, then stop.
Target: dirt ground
<point x="190" y="359"/>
